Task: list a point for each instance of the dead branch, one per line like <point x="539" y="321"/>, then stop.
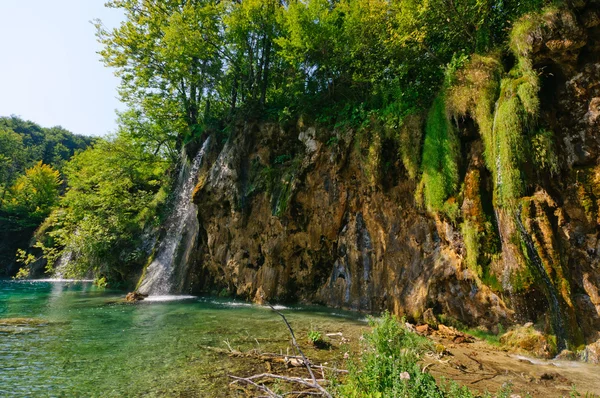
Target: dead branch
<point x="313" y="385"/>
<point x="306" y="362"/>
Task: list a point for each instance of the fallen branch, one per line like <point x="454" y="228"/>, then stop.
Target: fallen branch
<point x="313" y="385"/>
<point x="306" y="362"/>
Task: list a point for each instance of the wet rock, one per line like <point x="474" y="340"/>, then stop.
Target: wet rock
<point x="567" y="355"/>
<point x="591" y="353"/>
<point x="22" y="322"/>
<point x="135" y="296"/>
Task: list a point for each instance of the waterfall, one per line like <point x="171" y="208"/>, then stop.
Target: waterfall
<point x="556" y="315"/>
<point x="173" y="252"/>
<point x="61" y="264"/>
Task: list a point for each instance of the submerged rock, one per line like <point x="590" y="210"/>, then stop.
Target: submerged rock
<point x="23" y="322"/>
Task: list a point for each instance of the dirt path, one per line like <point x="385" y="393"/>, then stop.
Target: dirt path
<point x="482" y="367"/>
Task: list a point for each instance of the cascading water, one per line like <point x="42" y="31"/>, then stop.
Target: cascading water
<point x="556" y="315"/>
<point x="181" y="227"/>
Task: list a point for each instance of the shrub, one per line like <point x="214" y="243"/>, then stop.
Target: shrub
<point x="314" y="336"/>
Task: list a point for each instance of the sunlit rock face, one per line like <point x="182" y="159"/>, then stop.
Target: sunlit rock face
<point x="298" y="213"/>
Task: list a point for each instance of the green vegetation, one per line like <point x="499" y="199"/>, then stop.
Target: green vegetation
<point x="388" y="367"/>
<point x="31" y="158"/>
<point x="441" y="152"/>
<point x="116" y="190"/>
<point x="315" y="337"/>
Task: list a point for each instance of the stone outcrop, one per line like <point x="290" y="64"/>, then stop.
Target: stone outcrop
<point x="295" y="213"/>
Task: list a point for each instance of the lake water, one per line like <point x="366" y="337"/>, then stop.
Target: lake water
<point x="80" y="340"/>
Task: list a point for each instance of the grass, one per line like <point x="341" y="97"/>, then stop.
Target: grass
<point x="488" y="337"/>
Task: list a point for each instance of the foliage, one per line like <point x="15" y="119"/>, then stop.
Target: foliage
<point x="33" y="196"/>
<point x="168" y="57"/>
<point x="115" y="192"/>
<point x="314" y="336"/>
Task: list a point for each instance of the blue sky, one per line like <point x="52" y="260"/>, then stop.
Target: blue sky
<point x="49" y="70"/>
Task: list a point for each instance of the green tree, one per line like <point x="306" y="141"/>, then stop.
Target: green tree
<point x="33" y="195"/>
<point x="169" y="58"/>
<point x="115" y="191"/>
<point x="12" y="158"/>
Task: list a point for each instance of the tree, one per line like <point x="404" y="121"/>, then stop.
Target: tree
<point x="116" y="189"/>
<point x="169" y="58"/>
<point x="12" y="158"/>
<point x="33" y="195"/>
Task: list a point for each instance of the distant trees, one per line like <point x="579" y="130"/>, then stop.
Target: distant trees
<point x="31" y="158"/>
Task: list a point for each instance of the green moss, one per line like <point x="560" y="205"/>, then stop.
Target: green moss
<point x="471" y="238"/>
<point x="373" y="161"/>
<point x="508" y="132"/>
<point x="521" y="34"/>
<point x="543" y="151"/>
<point x="409" y="139"/>
<point x="474" y="94"/>
<point x="441" y="151"/>
<point x="527" y="28"/>
<point x="528" y="86"/>
<point x="588" y="189"/>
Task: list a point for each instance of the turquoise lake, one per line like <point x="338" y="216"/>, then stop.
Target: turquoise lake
<point x="78" y="340"/>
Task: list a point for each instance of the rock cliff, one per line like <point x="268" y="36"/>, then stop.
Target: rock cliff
<point x="302" y="213"/>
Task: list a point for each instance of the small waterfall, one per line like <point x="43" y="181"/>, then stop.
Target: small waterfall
<point x="61" y="264"/>
<point x="174" y="250"/>
<point x="558" y="323"/>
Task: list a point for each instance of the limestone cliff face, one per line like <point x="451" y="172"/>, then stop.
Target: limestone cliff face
<point x="297" y="213"/>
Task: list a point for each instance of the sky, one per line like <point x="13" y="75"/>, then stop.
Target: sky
<point x="50" y="72"/>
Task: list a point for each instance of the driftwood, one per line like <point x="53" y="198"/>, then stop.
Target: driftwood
<point x="313" y="385"/>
